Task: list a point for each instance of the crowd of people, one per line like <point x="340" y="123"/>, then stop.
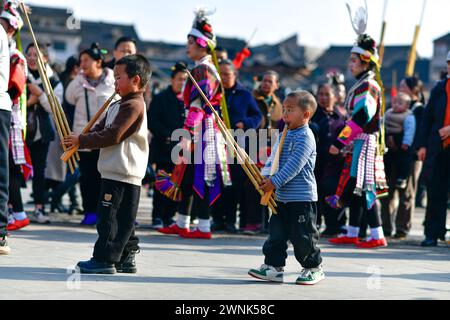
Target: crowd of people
<point x="359" y="185"/>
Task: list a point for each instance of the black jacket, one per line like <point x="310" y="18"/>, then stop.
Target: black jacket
<point x="242" y="107"/>
<point x="432" y="121"/>
<point x="166" y="114"/>
<point x="326" y="128"/>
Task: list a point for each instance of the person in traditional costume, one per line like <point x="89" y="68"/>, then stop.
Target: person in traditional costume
<point x="5" y="122"/>
<point x="359" y="190"/>
<point x="205" y="179"/>
<point x="165" y="115"/>
<point x="20" y="168"/>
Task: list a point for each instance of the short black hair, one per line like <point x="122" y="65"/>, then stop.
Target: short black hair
<point x="95" y="52"/>
<point x="180" y="66"/>
<point x="137" y="65"/>
<point x="228" y="62"/>
<point x="124" y="39"/>
<point x="305" y="101"/>
<point x="43" y="47"/>
<point x="272" y="73"/>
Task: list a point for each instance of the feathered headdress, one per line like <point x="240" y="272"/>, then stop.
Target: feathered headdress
<point x="359" y="24"/>
<point x="11" y="13"/>
<point x="202" y="29"/>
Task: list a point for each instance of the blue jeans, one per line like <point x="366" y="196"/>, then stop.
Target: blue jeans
<point x="5" y="123"/>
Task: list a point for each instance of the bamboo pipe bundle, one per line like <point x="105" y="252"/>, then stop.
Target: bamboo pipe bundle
<point x="69" y="153"/>
<point x="249" y="167"/>
<point x="59" y="117"/>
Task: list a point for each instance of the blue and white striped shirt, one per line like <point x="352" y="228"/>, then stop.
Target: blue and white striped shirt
<point x="295" y="180"/>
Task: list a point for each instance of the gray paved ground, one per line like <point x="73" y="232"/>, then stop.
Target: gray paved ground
<point x="174" y="268"/>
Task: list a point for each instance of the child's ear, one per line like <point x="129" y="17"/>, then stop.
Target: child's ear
<point x="136" y="80"/>
<point x="307" y="115"/>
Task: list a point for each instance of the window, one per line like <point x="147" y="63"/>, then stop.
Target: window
<point x="59" y="46"/>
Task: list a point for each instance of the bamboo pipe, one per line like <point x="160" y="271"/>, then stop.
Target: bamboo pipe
<point x="46" y="82"/>
<point x="226" y="134"/>
<point x="246" y="162"/>
<point x="275" y="165"/>
<point x="246" y="169"/>
<point x="247" y="166"/>
<point x="413" y="53"/>
<point x="69" y="153"/>
<point x="383" y="32"/>
<point x="60" y="116"/>
<point x="51" y="99"/>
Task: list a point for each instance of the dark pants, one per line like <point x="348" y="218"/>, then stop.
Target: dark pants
<point x="163" y="207"/>
<point x="400" y="203"/>
<point x="16" y="181"/>
<point x="38" y="153"/>
<point x="5" y="123"/>
<point x="358" y="208"/>
<point x="401" y="160"/>
<point x="117" y="207"/>
<point x="90" y="180"/>
<point x="295" y="222"/>
<point x="68" y="186"/>
<point x="252" y="211"/>
<point x="335" y="219"/>
<point x="192" y="204"/>
<point x="437" y="189"/>
<point x="225" y="208"/>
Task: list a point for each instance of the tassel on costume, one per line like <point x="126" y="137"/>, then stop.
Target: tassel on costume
<point x="335" y="201"/>
<point x="170" y="184"/>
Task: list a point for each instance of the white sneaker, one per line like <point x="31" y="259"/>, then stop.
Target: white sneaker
<point x="4" y="248"/>
<point x="11" y="219"/>
<point x="267" y="273"/>
<point x="310" y="276"/>
<point x="40" y="218"/>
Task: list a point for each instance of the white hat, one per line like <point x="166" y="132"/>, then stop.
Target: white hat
<point x="448" y="57"/>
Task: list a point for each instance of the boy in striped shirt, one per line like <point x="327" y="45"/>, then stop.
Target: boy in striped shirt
<point x="296" y="191"/>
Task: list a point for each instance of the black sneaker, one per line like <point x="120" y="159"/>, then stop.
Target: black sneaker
<point x="40" y="217"/>
<point x="94" y="267"/>
<point x="4" y="248"/>
<point x="216" y="226"/>
<point x="329" y="233"/>
<point x="400" y="236"/>
<point x="127" y="263"/>
<point x="230" y="228"/>
<point x="428" y="242"/>
<point x="157" y="223"/>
